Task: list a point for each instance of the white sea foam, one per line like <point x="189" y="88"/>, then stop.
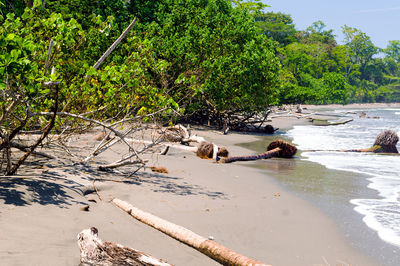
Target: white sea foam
<point x="382" y="213"/>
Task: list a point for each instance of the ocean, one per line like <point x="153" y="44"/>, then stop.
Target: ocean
<point x="380" y="213"/>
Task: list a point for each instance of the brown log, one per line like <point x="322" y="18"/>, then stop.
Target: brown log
<point x="277" y="148"/>
<point x="265" y="155"/>
<point x="208" y="247"/>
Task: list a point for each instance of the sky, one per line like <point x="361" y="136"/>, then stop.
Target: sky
<point x="379" y="19"/>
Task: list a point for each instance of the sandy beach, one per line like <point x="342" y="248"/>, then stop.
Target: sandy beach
<point x="240" y="207"/>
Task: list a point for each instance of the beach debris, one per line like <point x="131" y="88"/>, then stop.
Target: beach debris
<point x="325" y="122"/>
<point x="277" y="148"/>
<point x="387" y="140"/>
<point x="159" y="169"/>
<point x="206" y="150"/>
<point x="93" y="251"/>
<point x="179" y="133"/>
<point x="270" y="129"/>
<point x="85" y="208"/>
<point x="206" y="246"/>
<point x="299" y="110"/>
<point x="210" y="237"/>
<point x="364" y="115"/>
<point x="165" y="150"/>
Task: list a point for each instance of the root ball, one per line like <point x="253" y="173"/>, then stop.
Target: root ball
<point x="387" y="139"/>
<point x="288" y="150"/>
<point x="205" y="150"/>
<point x="222" y="152"/>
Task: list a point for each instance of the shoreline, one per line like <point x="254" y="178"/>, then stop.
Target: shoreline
<point x="241" y="207"/>
<point x="330" y="191"/>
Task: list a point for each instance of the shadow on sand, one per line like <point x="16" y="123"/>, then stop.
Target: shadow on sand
<point x="55" y="185"/>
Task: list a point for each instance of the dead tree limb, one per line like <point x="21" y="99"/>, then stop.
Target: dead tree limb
<point x="118" y="134"/>
<point x="26" y="148"/>
<point x="115" y="44"/>
<point x="41" y="138"/>
<point x="15" y="131"/>
<point x="116" y="165"/>
<point x="48" y="54"/>
<point x="210" y="248"/>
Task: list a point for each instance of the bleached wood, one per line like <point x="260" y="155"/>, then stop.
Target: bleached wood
<point x="208" y="247"/>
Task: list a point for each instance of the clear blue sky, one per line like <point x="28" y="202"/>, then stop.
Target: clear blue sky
<point x="379" y="19"/>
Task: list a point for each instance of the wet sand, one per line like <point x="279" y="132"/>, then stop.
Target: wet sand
<point x="330" y="191"/>
<point x="241" y="207"/>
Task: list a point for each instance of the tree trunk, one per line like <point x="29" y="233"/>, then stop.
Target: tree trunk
<point x="210" y="248"/>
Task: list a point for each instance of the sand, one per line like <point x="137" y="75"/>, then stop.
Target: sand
<point x="239" y="206"/>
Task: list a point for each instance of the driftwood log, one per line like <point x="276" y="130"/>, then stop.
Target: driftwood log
<point x="324" y="122"/>
<point x="210" y="248"/>
<point x="385" y="142"/>
<point x="277" y="148"/>
<point x="205" y="149"/>
<point x="93" y="251"/>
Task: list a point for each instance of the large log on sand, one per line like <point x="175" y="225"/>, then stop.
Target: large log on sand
<point x="277" y="148"/>
<point x="208" y="247"/>
<point x="96" y="252"/>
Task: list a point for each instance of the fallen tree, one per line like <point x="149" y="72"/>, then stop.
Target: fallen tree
<point x="208" y="247"/>
<point x="277" y="148"/>
<point x="385" y="143"/>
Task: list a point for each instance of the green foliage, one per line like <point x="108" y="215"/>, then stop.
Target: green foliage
<point x="207" y="58"/>
<point x="393" y="50"/>
<point x="277" y="26"/>
<point x="216" y="66"/>
<point x="252" y="6"/>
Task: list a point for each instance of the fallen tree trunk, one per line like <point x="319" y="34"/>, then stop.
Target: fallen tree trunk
<point x="385" y="143"/>
<point x="210" y="248"/>
<point x="277" y="148"/>
<point x="326" y="123"/>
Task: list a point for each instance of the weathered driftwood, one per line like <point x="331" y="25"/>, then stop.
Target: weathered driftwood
<point x="205" y="150"/>
<point x="114" y="45"/>
<point x="93" y="251"/>
<point x="385" y="143"/>
<point x="210" y="248"/>
<point x="180" y="134"/>
<point x="170" y="144"/>
<point x="46" y="131"/>
<point x="26" y="148"/>
<point x="326" y="123"/>
<point x="120" y="164"/>
<point x="277" y="148"/>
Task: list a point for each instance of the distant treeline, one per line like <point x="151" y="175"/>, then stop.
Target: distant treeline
<point x="316" y="69"/>
<point x="196" y="58"/>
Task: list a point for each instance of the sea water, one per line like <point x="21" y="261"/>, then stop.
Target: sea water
<point x="381" y="213"/>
